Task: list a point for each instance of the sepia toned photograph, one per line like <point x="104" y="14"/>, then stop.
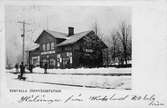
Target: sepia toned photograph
<point x="68" y="47"/>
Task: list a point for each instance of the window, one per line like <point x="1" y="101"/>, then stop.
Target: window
<point x="69" y="55"/>
<point x="44" y="61"/>
<point x="66" y="61"/>
<point x="48" y="46"/>
<point x="89" y="50"/>
<point x="35" y="60"/>
<point x="52" y="62"/>
<point x="43" y="47"/>
<point x="52" y="46"/>
<point x="67" y="48"/>
<point x="59" y="59"/>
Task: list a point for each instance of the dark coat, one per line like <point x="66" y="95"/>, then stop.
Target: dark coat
<point x="22" y="68"/>
<point x="16" y="66"/>
<point x="46" y="66"/>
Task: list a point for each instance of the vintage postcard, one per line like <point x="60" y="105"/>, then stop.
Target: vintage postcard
<point x="84" y="54"/>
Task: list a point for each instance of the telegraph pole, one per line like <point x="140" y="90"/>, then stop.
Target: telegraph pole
<point x="23" y="36"/>
<point x="47" y="23"/>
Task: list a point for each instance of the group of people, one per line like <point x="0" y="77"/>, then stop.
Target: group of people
<point x="22" y="68"/>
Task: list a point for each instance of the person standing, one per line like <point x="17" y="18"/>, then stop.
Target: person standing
<point x="17" y="67"/>
<point x="45" y="68"/>
<point x="31" y="68"/>
<point x="22" y="69"/>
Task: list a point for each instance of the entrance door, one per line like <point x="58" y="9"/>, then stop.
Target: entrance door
<point x="59" y="60"/>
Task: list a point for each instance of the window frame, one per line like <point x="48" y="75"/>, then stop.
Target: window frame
<point x="52" y="60"/>
<point x="52" y="46"/>
<point x="43" y="47"/>
<point x="48" y="46"/>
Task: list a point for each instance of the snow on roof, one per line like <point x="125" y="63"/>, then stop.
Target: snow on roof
<point x="74" y="38"/>
<point x="33" y="48"/>
<point x="57" y="34"/>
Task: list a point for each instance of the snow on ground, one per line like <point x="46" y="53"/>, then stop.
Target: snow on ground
<point x="85" y="70"/>
<point x="121" y="82"/>
<point x="14" y="83"/>
<point x="95" y="80"/>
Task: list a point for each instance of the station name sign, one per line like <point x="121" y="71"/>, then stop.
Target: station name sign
<point x="48" y="52"/>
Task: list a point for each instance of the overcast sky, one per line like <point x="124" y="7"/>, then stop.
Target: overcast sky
<point x="58" y="18"/>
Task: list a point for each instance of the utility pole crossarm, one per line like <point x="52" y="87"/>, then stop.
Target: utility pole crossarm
<point x="23" y="22"/>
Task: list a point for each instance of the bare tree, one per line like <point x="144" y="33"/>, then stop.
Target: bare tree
<point x="97" y="30"/>
<point x="114" y="41"/>
<point x="124" y="35"/>
<point x="115" y="50"/>
<point x="98" y="43"/>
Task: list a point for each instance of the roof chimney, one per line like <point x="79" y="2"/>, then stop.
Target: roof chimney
<point x="70" y="31"/>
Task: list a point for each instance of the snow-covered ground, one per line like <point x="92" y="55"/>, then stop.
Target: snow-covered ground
<point x="101" y="78"/>
<point x="85" y="70"/>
